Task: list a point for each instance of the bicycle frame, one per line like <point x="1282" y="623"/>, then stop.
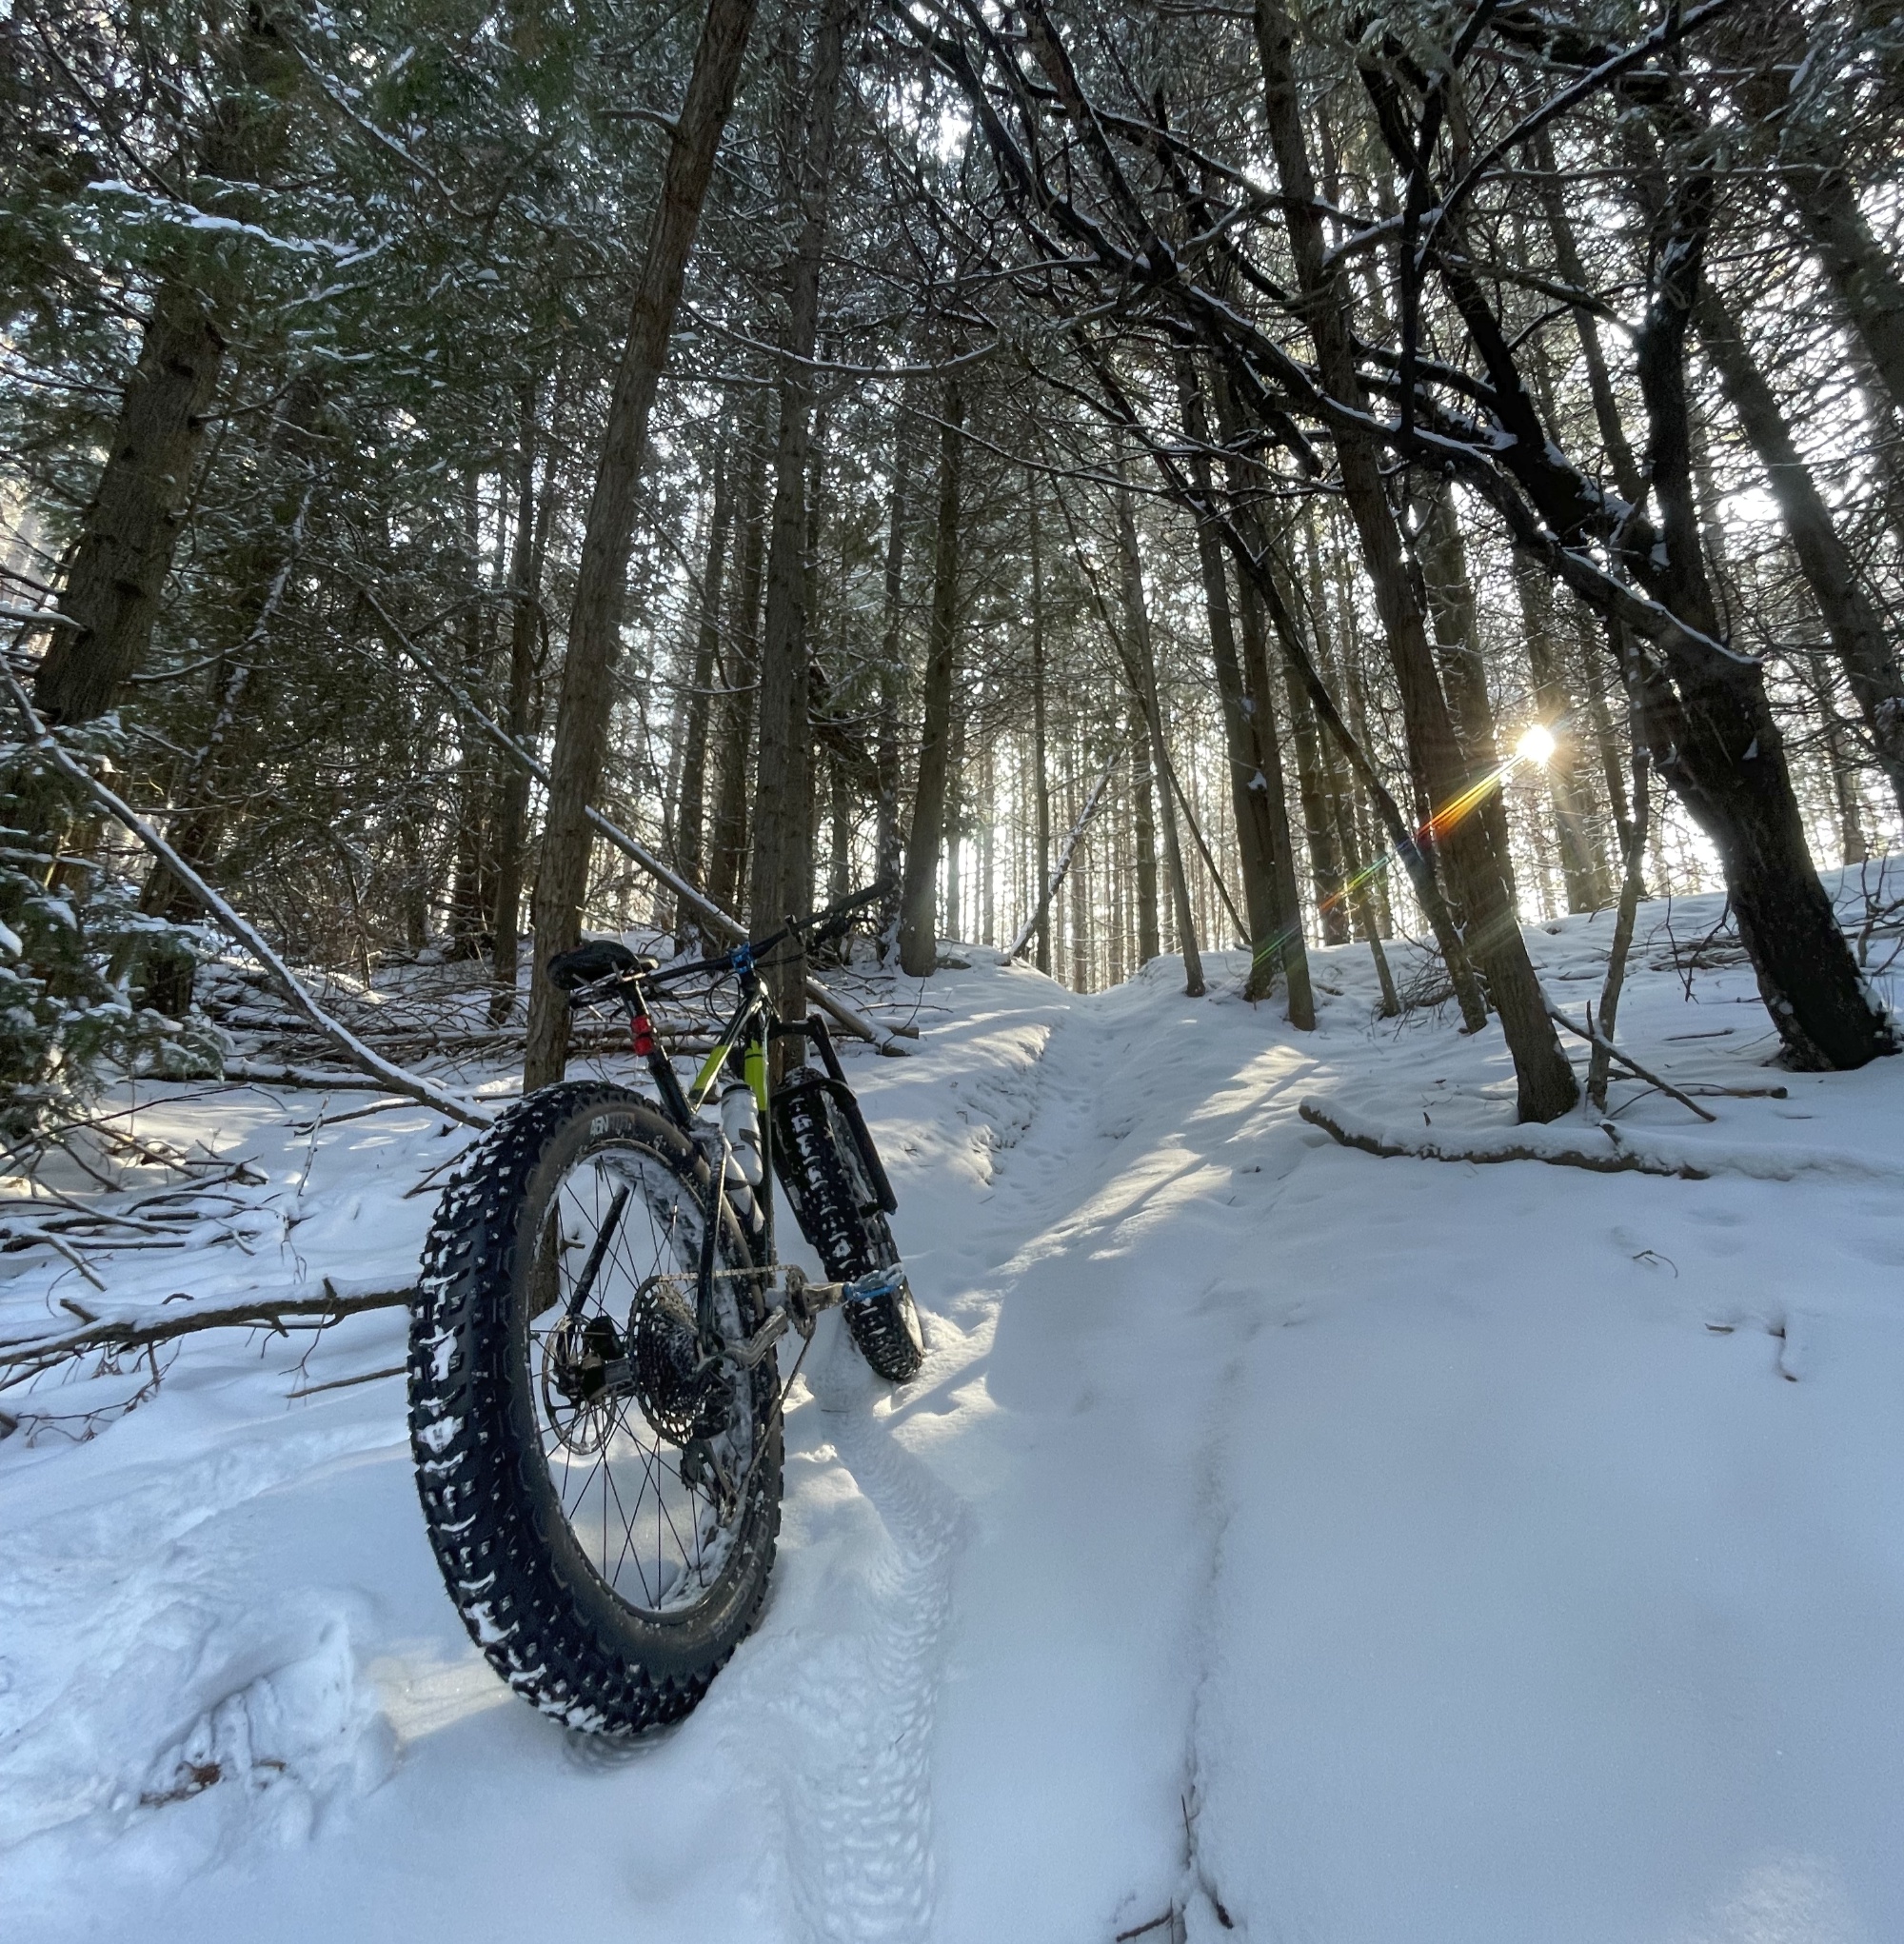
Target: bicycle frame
<point x="749" y="1033"/>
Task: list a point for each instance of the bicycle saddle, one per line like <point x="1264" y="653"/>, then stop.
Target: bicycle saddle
<point x="595" y="960"/>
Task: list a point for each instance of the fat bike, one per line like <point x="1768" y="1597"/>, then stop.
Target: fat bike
<point x="595" y="1386"/>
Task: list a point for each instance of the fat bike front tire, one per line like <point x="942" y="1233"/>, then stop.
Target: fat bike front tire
<point x="834" y="1202"/>
<point x="603" y="1501"/>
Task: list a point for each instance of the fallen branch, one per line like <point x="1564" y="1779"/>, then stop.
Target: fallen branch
<point x="1605" y="1047"/>
<point x="23" y="1358"/>
<point x="343" y="1081"/>
<point x="1631" y="888"/>
<point x="396" y="1078"/>
<point x="862" y="1025"/>
<point x="1524" y="1146"/>
<point x="344" y="1383"/>
<point x="1064" y="865"/>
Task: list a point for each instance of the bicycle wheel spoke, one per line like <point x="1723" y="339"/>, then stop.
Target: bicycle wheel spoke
<point x="631" y="1225"/>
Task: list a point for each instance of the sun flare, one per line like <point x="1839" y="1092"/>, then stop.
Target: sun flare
<point x="1535" y="744"/>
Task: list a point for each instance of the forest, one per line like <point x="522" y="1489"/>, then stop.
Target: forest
<point x="1334" y="569"/>
<point x="1360" y="475"/>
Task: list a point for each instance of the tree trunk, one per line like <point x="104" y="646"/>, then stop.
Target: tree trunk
<point x="888" y="838"/>
<point x="1443" y="561"/>
<point x="1143" y="837"/>
<point x="1857" y="267"/>
<point x="1325" y="865"/>
<point x="1545" y="1079"/>
<point x="1041" y="781"/>
<point x="781" y="867"/>
<point x="1242" y="727"/>
<point x="1567" y="257"/>
<point x="587" y="686"/>
<point x="1708" y="725"/>
<point x="1837" y="755"/>
<point x="1854" y="625"/>
<point x="1081" y="897"/>
<point x="467" y="917"/>
<point x="690" y="818"/>
<point x="1142" y="671"/>
<point x="952" y="845"/>
<point x="132" y="526"/>
<point x="1583" y="866"/>
<point x="741" y="684"/>
<point x="1291" y="947"/>
<point x="919" y="902"/>
<point x="512" y="804"/>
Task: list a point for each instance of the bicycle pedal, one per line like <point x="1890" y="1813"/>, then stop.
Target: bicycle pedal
<point x="872" y="1286"/>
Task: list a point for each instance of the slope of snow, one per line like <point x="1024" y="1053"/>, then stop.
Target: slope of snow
<point x="1279" y="1542"/>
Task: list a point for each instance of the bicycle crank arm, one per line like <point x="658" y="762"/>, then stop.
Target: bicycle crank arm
<point x="804" y="1303"/>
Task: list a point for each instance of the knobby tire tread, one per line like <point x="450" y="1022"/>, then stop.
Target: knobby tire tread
<point x="850" y="1239"/>
<point x="478" y="1501"/>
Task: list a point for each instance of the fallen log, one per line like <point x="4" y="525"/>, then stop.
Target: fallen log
<point x="1611" y="1161"/>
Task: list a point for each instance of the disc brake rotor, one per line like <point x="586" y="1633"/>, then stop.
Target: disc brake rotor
<point x="575" y="1370"/>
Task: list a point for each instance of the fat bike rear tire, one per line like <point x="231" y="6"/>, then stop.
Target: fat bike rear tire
<point x="834" y="1202"/>
<point x="603" y="1504"/>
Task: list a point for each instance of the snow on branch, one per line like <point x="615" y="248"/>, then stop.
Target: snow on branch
<point x="1518" y="1144"/>
<point x="399" y="1080"/>
<point x="1568" y="1144"/>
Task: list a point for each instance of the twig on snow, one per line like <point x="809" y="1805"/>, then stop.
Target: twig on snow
<point x="22" y="1358"/>
<point x="1596" y="1039"/>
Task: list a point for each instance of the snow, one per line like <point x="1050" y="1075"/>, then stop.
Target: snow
<point x="1341" y="1549"/>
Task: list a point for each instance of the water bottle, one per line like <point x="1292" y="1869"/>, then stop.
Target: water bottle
<point x="747" y="1165"/>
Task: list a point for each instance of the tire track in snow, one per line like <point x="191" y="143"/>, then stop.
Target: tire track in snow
<point x="845" y="1753"/>
<point x="851" y="1734"/>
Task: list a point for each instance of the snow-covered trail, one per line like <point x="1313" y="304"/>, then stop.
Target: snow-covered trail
<point x="1331" y="1548"/>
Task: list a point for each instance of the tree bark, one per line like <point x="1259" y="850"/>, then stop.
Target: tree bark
<point x="1443" y="561"/>
<point x="587" y="698"/>
<point x="1854" y="625"/>
<point x="740" y="683"/>
<point x="1708" y="722"/>
<point x="780" y="881"/>
<point x="690" y="818"/>
<point x="1243" y="728"/>
<point x="952" y="844"/>
<point x="1040" y="783"/>
<point x="467" y="918"/>
<point x="1142" y="672"/>
<point x="1545" y="1079"/>
<point x="533" y="513"/>
<point x="1857" y="267"/>
<point x="919" y="902"/>
<point x="1582" y="867"/>
<point x="132" y="528"/>
<point x="1143" y="837"/>
<point x="888" y="838"/>
<point x="1567" y="256"/>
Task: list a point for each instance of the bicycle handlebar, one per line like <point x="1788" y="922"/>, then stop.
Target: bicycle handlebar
<point x="816" y="928"/>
